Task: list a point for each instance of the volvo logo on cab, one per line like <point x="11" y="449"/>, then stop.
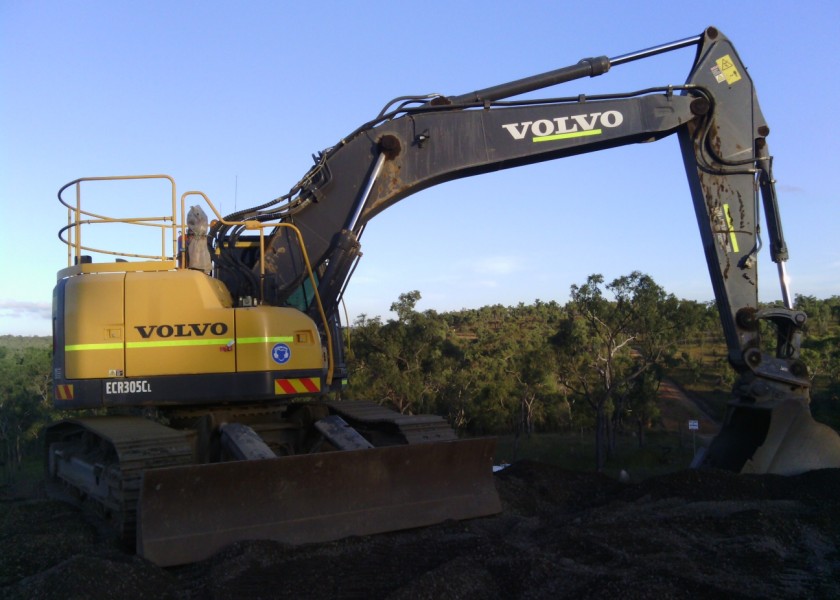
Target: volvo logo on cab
<point x="544" y="130"/>
<point x="181" y="330"/>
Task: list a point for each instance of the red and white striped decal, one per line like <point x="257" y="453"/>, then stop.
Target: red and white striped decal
<point x="302" y="385"/>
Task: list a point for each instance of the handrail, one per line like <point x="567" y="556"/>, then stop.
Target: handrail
<point x="73" y="240"/>
<point x="261" y="226"/>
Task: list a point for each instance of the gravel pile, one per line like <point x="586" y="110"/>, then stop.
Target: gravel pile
<point x="561" y="534"/>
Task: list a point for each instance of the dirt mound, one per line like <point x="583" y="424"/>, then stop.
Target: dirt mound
<point x="561" y="534"/>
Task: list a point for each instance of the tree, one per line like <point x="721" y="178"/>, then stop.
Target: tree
<point x="506" y="349"/>
<point x="642" y="400"/>
<point x="25" y="385"/>
<point x="819" y="314"/>
<point x="404" y="306"/>
<point x="399" y="362"/>
<point x="606" y="344"/>
<point x="821" y="352"/>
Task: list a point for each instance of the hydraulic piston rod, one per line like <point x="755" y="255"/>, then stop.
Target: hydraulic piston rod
<point x="639" y="54"/>
<point x="587" y="67"/>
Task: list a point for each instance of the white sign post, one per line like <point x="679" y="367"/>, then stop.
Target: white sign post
<point x="693" y="426"/>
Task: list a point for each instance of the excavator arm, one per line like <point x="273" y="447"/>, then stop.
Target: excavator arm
<point x="430" y="140"/>
<point x="424" y="141"/>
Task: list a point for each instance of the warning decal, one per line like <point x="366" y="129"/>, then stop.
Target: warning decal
<point x="281" y="353"/>
<point x="301" y="385"/>
<point x="64" y="392"/>
<point x="725" y="70"/>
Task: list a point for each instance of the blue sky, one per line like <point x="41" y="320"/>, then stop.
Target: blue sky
<point x="233" y="98"/>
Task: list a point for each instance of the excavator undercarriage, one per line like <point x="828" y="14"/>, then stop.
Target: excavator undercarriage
<point x="296" y="474"/>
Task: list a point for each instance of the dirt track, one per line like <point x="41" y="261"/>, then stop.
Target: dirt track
<point x="561" y="535"/>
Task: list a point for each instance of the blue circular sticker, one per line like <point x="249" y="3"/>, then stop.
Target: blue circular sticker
<point x="281" y="353"/>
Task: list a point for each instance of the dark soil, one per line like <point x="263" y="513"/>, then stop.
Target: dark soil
<point x="561" y="534"/>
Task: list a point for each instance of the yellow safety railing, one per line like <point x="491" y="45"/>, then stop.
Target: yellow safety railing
<point x="71" y="234"/>
<point x="261" y="227"/>
<point x="169" y="226"/>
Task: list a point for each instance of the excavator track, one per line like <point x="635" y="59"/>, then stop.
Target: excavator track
<point x="101" y="461"/>
<point x="415" y="429"/>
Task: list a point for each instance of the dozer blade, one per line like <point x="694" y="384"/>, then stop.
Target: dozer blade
<point x="187" y="514"/>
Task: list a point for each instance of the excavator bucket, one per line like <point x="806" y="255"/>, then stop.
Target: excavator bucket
<point x="795" y="443"/>
<point x="783" y="440"/>
<point x="187" y="514"/>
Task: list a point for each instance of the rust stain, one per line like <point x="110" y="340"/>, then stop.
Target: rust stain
<point x="389" y="185"/>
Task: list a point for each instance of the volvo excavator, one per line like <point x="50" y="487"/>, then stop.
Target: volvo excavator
<point x="208" y="376"/>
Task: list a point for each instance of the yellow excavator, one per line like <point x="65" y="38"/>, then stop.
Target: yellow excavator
<point x="218" y="359"/>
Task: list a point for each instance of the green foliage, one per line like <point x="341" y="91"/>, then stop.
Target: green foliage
<point x="592" y="365"/>
<point x="18" y="343"/>
<point x="25" y="397"/>
<point x="821" y="352"/>
<point x="595" y="362"/>
<point x="400" y="362"/>
<point x="611" y="348"/>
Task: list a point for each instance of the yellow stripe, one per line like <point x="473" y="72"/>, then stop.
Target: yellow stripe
<point x="731" y="227"/>
<point x="265" y="340"/>
<point x="566" y="136"/>
<point x="177" y="343"/>
<point x="78" y="347"/>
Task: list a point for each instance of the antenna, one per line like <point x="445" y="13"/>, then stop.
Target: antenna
<point x="235" y="192"/>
